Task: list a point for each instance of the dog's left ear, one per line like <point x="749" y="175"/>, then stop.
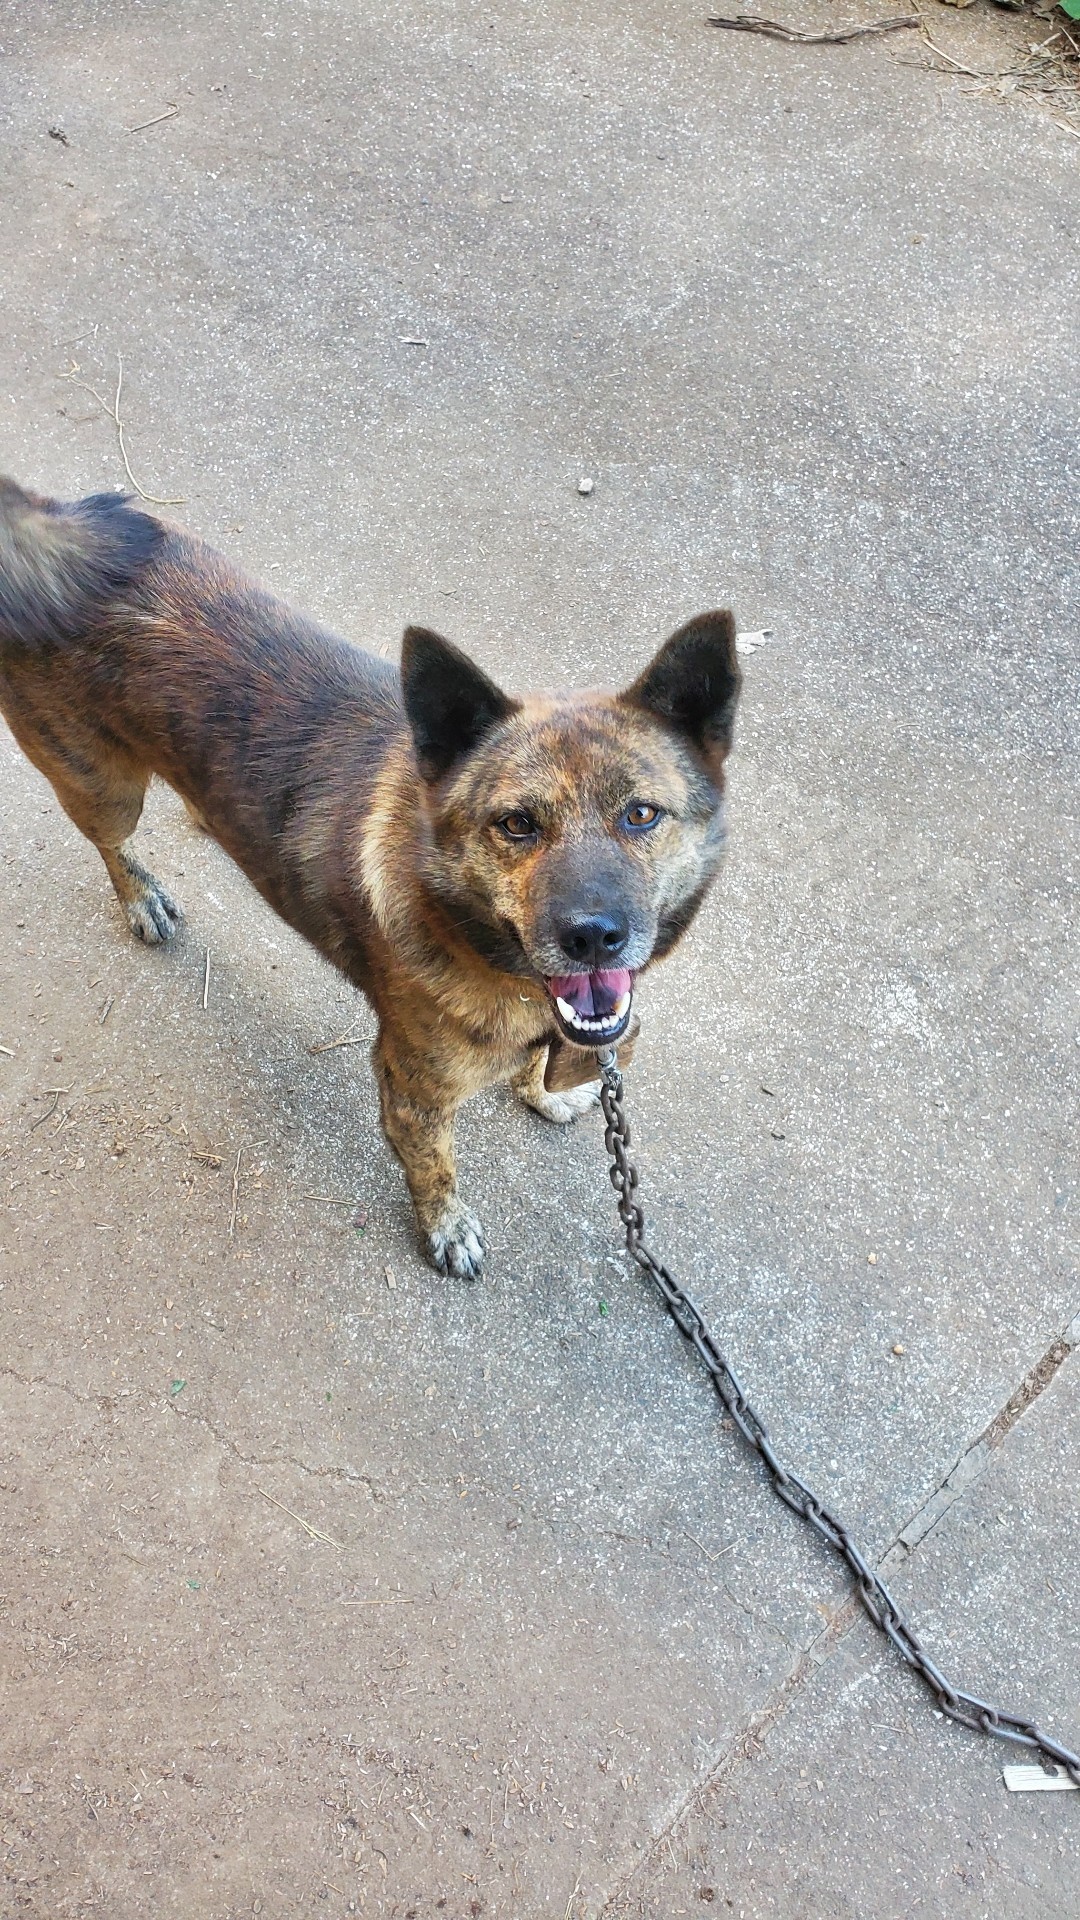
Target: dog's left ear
<point x="450" y="703"/>
<point x="694" y="682"/>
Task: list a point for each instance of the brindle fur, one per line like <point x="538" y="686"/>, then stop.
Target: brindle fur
<point x="362" y="802"/>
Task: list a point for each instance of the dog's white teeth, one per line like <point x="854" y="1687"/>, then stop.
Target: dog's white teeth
<point x="612" y="1019"/>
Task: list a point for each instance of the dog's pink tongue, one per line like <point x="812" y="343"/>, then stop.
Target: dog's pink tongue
<point x="592" y="995"/>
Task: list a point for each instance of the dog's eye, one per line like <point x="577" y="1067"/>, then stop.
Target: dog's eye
<point x="641" y="816"/>
<point x="518" y="826"/>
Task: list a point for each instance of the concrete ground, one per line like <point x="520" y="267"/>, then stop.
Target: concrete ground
<point x="324" y="1594"/>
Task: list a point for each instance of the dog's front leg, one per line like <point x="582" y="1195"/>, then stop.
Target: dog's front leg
<point x="418" y="1120"/>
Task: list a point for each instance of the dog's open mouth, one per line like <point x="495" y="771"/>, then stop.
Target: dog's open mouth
<point x="592" y="1008"/>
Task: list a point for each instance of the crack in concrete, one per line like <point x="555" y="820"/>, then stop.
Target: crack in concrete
<point x="750" y="1739"/>
<point x="973" y="1462"/>
<point x="105" y="1403"/>
<point x="347" y="1475"/>
<point x="101" y="1401"/>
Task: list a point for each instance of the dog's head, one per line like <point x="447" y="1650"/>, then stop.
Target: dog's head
<point x="572" y="840"/>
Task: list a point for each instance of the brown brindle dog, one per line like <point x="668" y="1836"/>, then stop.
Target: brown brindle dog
<point x="493" y="873"/>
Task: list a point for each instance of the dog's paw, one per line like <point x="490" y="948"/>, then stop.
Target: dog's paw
<point x="153" y="914"/>
<point x="455" y="1244"/>
<point x="561" y="1108"/>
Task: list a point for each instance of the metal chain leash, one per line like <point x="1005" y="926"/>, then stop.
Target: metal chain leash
<point x="871" y="1590"/>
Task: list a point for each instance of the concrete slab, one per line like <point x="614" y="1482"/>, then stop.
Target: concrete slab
<point x="854" y="1799"/>
<point x="806" y="318"/>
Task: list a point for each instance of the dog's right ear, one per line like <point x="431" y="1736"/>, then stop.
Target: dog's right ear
<point x="450" y="703"/>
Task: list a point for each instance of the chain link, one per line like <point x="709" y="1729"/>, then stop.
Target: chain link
<point x="869" y="1587"/>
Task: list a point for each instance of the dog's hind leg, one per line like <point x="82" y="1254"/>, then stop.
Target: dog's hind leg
<point x="102" y="791"/>
<point x="152" y="913"/>
<point x="107" y="811"/>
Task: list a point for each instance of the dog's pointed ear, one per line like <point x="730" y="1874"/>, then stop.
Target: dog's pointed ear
<point x="450" y="703"/>
<point x="694" y="683"/>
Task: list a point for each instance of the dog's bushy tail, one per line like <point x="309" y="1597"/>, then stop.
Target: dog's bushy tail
<point x="61" y="564"/>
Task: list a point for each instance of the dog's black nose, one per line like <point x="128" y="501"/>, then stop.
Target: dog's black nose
<point x="594" y="941"/>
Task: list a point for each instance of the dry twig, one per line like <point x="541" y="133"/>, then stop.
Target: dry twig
<point x="406" y="1600"/>
<point x="49" y="1111"/>
<point x="235" y="1193"/>
<point x="315" y="1532"/>
<point x="710" y="1556"/>
<point x="157" y="119"/>
<point x="347" y="1039"/>
<point x="113" y="412"/>
<point x="971" y="72"/>
<point x="751" y="23"/>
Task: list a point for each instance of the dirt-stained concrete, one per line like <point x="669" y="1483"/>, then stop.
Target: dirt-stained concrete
<point x="329" y="1587"/>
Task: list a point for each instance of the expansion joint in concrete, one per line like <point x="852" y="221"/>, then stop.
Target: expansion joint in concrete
<point x="751" y="1737"/>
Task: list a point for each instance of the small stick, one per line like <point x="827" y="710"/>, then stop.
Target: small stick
<point x="10" y="1051"/>
<point x="308" y="1528"/>
<point x="751" y="23"/>
<point x="705" y="1550"/>
<point x="114" y="415"/>
<point x="958" y="64"/>
<point x="236" y="1199"/>
<point x="49" y="1111"/>
<point x="156" y="121"/>
<point x="347" y="1039"/>
<point x="327" y="1199"/>
<point x="105" y="1011"/>
<point x="206" y="980"/>
<point x="410" y="1601"/>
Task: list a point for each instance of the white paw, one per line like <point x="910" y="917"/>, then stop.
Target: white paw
<point x="564" y="1107"/>
<point x="455" y="1244"/>
<point x="155" y="916"/>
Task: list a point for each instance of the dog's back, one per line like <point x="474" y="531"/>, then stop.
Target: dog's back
<point x="129" y="649"/>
